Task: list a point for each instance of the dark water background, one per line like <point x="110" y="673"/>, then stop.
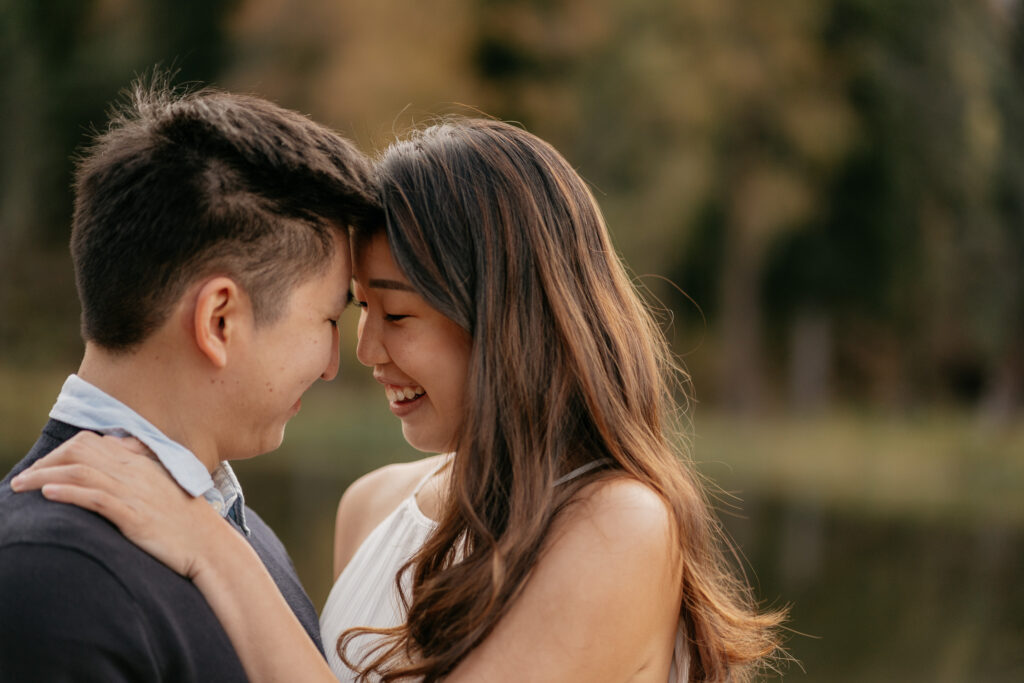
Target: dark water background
<point x="898" y="545"/>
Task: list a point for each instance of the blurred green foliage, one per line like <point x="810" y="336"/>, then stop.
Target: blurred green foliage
<point x="836" y="184"/>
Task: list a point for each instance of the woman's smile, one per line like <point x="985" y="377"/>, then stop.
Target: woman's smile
<point x="396" y="393"/>
<point x="404" y="400"/>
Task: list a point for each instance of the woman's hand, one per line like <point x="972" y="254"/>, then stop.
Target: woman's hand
<point x="113" y="477"/>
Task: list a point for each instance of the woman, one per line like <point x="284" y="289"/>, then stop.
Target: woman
<point x="563" y="539"/>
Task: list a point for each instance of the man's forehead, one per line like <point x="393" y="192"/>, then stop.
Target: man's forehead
<point x="333" y="281"/>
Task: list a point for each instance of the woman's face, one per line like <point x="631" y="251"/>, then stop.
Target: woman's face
<point x="420" y="356"/>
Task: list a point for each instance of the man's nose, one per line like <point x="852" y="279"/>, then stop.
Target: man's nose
<point x="331" y="371"/>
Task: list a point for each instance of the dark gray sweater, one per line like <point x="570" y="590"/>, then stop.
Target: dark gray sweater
<point x="79" y="602"/>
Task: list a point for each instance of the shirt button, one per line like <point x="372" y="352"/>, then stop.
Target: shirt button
<point x="218" y="506"/>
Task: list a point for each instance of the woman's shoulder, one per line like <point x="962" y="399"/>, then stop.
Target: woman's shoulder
<point x="608" y="584"/>
<point x="370" y="499"/>
<point x="620" y="512"/>
<point x="618" y="536"/>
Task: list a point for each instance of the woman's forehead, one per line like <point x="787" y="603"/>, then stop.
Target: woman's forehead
<point x="374" y="266"/>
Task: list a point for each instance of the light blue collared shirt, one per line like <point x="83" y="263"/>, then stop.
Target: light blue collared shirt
<point x="85" y="406"/>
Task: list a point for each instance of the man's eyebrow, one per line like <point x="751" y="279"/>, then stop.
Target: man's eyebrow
<point x="391" y="284"/>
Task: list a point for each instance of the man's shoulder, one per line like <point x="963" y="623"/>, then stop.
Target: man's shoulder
<point x="79" y="601"/>
<point x="53" y="434"/>
<point x="89" y="604"/>
<point x="29" y="520"/>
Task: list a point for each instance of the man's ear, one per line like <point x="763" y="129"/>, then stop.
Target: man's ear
<point x="222" y="312"/>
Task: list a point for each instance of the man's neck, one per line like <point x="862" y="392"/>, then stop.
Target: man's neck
<point x="151" y="384"/>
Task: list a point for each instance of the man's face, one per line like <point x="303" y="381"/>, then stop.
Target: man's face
<point x="286" y="357"/>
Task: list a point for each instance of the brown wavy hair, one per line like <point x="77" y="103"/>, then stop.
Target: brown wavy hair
<point x="495" y="229"/>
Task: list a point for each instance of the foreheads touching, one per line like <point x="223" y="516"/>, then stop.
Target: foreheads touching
<point x="185" y="186"/>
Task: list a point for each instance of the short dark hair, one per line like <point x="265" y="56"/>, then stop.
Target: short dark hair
<point x="183" y="185"/>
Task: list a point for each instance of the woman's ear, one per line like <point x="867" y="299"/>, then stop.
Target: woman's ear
<point x="222" y="311"/>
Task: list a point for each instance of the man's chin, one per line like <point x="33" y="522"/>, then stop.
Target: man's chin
<point x="267" y="445"/>
<point x="275" y="442"/>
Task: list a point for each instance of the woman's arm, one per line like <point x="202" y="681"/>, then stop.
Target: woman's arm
<point x="110" y="477"/>
<point x="602" y="603"/>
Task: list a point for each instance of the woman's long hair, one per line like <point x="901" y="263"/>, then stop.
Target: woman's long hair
<point x="495" y="230"/>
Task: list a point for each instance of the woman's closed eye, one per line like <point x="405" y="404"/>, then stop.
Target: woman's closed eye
<point x="390" y="317"/>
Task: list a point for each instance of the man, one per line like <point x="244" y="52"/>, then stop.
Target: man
<point x="211" y="259"/>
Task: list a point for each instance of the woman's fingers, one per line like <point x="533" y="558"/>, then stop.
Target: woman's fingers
<point x="113" y="508"/>
<point x="117" y="457"/>
<point x="85" y="487"/>
<point x="74" y="474"/>
<point x="140" y="483"/>
<point x="88" y="447"/>
<point x="130" y="443"/>
<point x="110" y="476"/>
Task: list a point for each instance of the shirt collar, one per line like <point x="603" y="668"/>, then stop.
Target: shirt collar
<point x="86" y="406"/>
<point x="226" y="496"/>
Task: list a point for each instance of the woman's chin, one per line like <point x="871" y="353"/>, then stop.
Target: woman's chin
<point x="427" y="443"/>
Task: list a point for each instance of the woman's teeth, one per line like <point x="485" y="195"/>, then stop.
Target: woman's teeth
<point x="403" y="393"/>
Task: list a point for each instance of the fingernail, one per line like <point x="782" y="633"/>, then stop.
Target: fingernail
<point x="16" y="483"/>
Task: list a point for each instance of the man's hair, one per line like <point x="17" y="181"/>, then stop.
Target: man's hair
<point x="183" y="186"/>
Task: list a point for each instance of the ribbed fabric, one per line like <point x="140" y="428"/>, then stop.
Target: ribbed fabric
<point x="365" y="593"/>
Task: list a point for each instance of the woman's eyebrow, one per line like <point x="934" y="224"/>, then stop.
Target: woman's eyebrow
<point x="390" y="284"/>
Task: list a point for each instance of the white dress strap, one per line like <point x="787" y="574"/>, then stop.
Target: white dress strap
<point x="445" y="459"/>
<point x="581" y="470"/>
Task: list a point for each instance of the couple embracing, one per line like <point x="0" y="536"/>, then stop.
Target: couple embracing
<point x="555" y="534"/>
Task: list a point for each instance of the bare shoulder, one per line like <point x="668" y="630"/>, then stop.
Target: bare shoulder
<point x="602" y="603"/>
<point x="619" y="514"/>
<point x="370" y="499"/>
<point x="617" y="539"/>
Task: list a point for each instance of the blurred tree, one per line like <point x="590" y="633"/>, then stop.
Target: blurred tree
<point x="915" y="261"/>
<point x="369" y="69"/>
<point x="1004" y="390"/>
<point x="721" y="104"/>
<point x="833" y="166"/>
<point x="65" y="61"/>
<point x="837" y="184"/>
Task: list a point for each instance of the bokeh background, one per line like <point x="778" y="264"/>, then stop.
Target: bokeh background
<point x="825" y="196"/>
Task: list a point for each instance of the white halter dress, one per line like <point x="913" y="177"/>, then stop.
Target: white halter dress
<point x="365" y="593"/>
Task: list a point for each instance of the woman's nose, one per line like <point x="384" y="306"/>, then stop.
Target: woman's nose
<point x="369" y="349"/>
